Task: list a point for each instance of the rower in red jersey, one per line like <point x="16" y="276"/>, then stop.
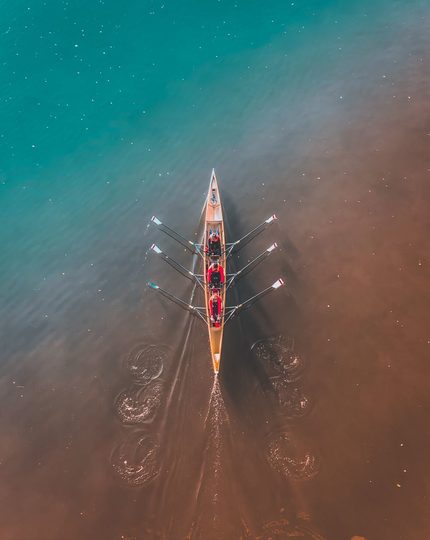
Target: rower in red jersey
<point x="216" y="276"/>
<point x="214" y="245"/>
<point x="215" y="308"/>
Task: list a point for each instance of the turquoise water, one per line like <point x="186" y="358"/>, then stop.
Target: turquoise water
<point x="105" y="108"/>
<point x="112" y="112"/>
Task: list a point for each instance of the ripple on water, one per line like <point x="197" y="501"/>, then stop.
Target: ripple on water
<point x="135" y="460"/>
<point x="283" y="529"/>
<point x="146" y="362"/>
<point x="284" y="458"/>
<point x="292" y="398"/>
<point x="139" y="404"/>
<point x="279" y="358"/>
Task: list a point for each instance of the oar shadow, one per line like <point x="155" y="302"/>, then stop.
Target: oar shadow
<point x="276" y="315"/>
<point x="235" y="228"/>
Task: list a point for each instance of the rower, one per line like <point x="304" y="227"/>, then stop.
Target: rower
<point x="214" y="245"/>
<point x="215" y="308"/>
<point x="215" y="275"/>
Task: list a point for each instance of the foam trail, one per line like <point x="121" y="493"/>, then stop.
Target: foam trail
<point x="215" y="418"/>
<point x="217" y="412"/>
<point x="207" y="494"/>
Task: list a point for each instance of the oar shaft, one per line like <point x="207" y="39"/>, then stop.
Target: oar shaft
<point x="253" y="299"/>
<point x="252" y="234"/>
<point x="174" y="235"/>
<point x="252" y="264"/>
<point x="176" y="300"/>
<point x="176" y="265"/>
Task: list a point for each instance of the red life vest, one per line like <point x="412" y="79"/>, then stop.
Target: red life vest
<point x="212" y="271"/>
<point x="218" y="308"/>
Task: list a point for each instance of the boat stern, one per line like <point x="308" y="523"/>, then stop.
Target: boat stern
<point x="216" y="359"/>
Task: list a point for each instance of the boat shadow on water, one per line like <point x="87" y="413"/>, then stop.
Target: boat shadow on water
<point x="263" y="384"/>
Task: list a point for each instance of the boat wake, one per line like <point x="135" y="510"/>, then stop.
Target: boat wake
<point x="217" y="412"/>
<point x="215" y="418"/>
<point x="208" y="491"/>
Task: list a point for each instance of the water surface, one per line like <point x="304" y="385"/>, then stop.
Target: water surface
<point x="112" y="424"/>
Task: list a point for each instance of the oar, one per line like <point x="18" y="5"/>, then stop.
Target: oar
<point x="252" y="264"/>
<point x="191" y="246"/>
<point x="176" y="266"/>
<point x="185" y="305"/>
<point x="233" y="310"/>
<point x="239" y="244"/>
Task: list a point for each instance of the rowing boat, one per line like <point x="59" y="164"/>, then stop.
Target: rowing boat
<point x="214" y="222"/>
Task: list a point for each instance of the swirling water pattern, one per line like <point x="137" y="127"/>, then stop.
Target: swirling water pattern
<point x="135" y="459"/>
<point x="285" y="368"/>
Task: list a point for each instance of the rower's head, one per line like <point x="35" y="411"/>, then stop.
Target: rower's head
<point x="215" y="265"/>
<point x="213" y="235"/>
